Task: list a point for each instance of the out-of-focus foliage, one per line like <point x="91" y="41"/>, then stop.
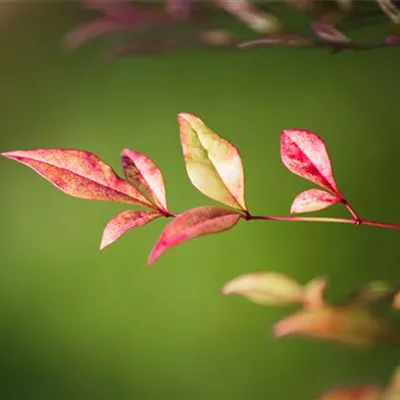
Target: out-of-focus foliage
<point x="170" y="17"/>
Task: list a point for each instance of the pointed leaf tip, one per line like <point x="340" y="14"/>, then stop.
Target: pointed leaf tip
<point x="213" y="164"/>
<point x="304" y="153"/>
<point x="123" y="222"/>
<point x="193" y="223"/>
<point x="265" y="288"/>
<point x="79" y="174"/>
<point x="313" y="200"/>
<point x="144" y="176"/>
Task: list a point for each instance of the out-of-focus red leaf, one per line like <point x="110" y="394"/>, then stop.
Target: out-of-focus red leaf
<point x="123" y="222"/>
<point x="91" y="30"/>
<point x="179" y="9"/>
<point x="145" y="176"/>
<point x="266" y="288"/>
<point x="314" y="291"/>
<point x="392" y="40"/>
<point x="304" y="153"/>
<point x="118" y="10"/>
<point x="328" y="32"/>
<point x="118" y="17"/>
<point x="254" y="17"/>
<point x="352" y="326"/>
<point x="191" y="224"/>
<point x="366" y="392"/>
<point x="286" y="40"/>
<point x="313" y="200"/>
<point x="205" y="39"/>
<point x="213" y="164"/>
<point x="80" y="174"/>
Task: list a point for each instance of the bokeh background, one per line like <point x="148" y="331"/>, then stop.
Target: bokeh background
<point x="77" y="324"/>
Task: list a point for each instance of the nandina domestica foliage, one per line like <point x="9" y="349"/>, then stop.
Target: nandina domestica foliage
<point x="214" y="167"/>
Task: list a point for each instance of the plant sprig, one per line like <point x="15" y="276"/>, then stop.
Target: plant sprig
<point x="214" y="167"/>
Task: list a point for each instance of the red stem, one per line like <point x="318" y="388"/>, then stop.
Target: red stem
<point x="350" y="209"/>
<point x="323" y="219"/>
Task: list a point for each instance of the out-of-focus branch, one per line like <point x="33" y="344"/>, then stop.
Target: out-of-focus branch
<point x="164" y="26"/>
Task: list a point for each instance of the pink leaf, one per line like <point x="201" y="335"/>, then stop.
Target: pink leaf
<point x="118" y="17"/>
<point x="347" y="325"/>
<point x="144" y="175"/>
<point x="313" y="200"/>
<point x="392" y="40"/>
<point x="92" y="30"/>
<point x="251" y="15"/>
<point x="80" y="174"/>
<point x="193" y="223"/>
<point x="367" y="392"/>
<point x="123" y="222"/>
<point x="179" y="9"/>
<point x="304" y="153"/>
<point x="328" y="32"/>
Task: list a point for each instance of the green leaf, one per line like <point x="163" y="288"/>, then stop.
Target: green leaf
<point x="266" y="288"/>
<point x="213" y="164"/>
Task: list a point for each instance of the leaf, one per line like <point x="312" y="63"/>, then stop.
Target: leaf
<point x="367" y="392"/>
<point x="327" y="31"/>
<point x="144" y="175"/>
<point x="252" y="16"/>
<point x="304" y="154"/>
<point x="79" y="174"/>
<point x="193" y="223"/>
<point x="313" y="200"/>
<point x="88" y="31"/>
<point x="179" y="9"/>
<point x="123" y="222"/>
<point x="373" y="292"/>
<point x="266" y="288"/>
<point x="213" y="164"/>
<point x="314" y="293"/>
<point x="357" y="327"/>
<point x="392" y="40"/>
<point x="118" y="17"/>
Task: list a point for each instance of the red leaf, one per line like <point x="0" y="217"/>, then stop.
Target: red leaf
<point x="367" y="392"/>
<point x="144" y="175"/>
<point x="347" y="325"/>
<point x="313" y="200"/>
<point x="251" y="15"/>
<point x="304" y="153"/>
<point x="179" y="9"/>
<point x="118" y="17"/>
<point x="92" y="30"/>
<point x="80" y="174"/>
<point x="392" y="40"/>
<point x="328" y="32"/>
<point x="123" y="222"/>
<point x="193" y="223"/>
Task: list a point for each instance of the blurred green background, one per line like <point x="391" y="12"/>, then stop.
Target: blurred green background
<point x="77" y="324"/>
